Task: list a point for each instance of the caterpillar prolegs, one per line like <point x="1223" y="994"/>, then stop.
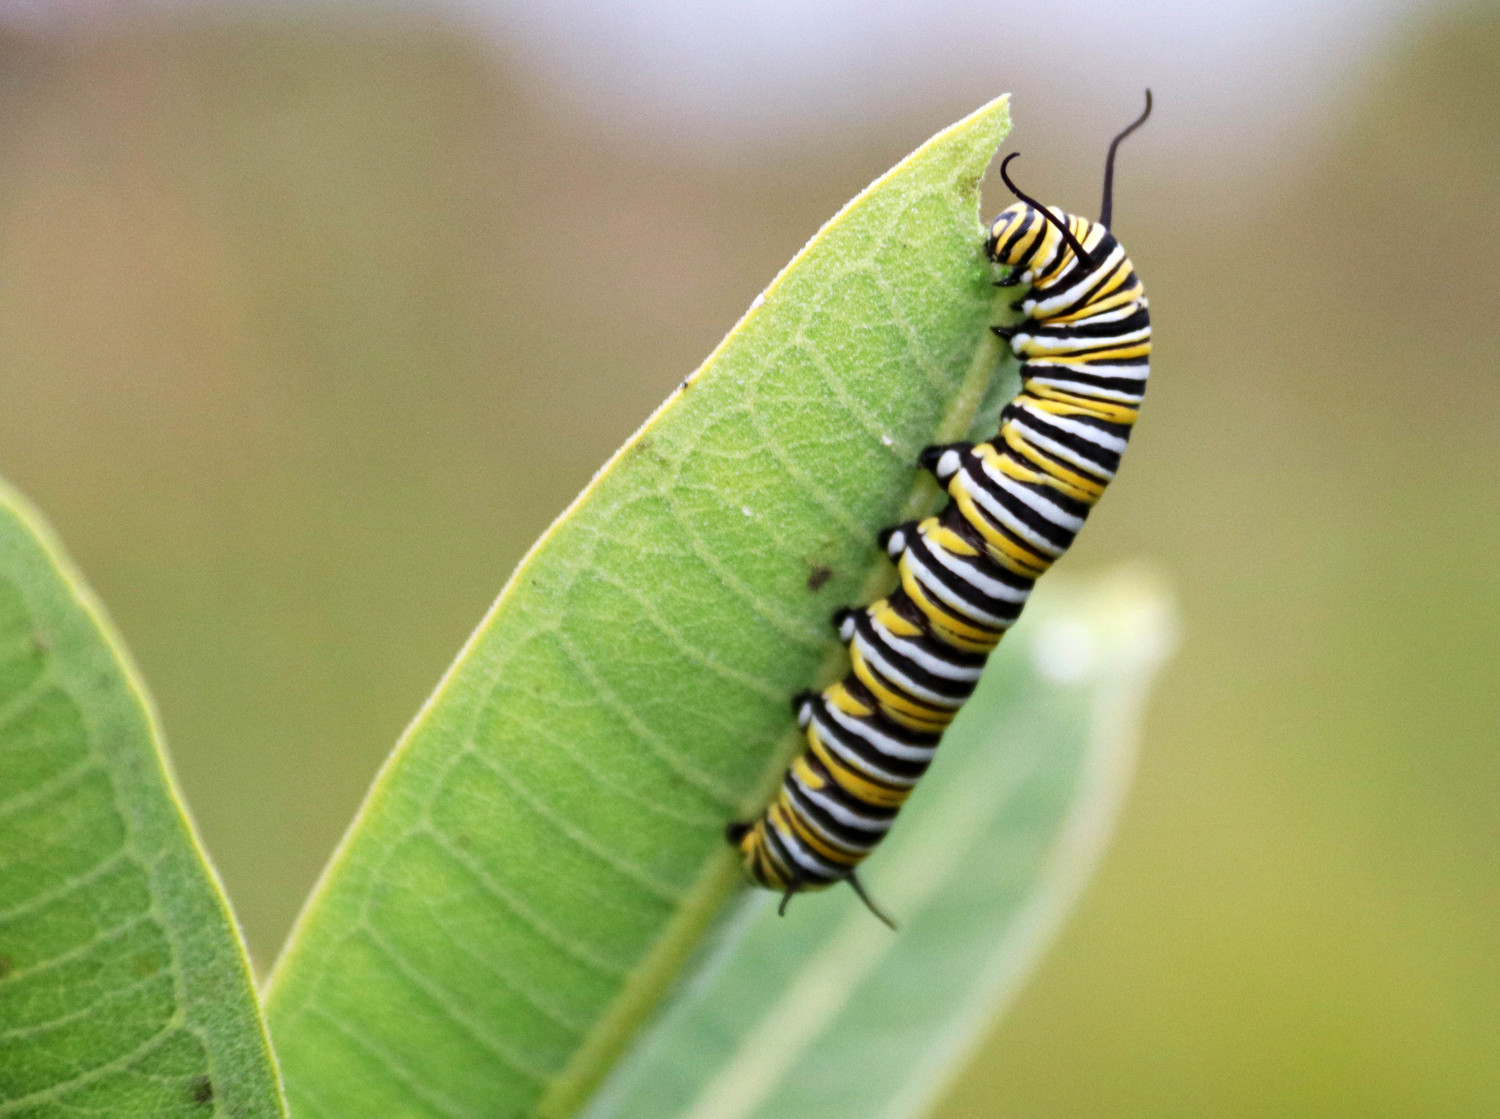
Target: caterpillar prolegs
<point x="1016" y="503"/>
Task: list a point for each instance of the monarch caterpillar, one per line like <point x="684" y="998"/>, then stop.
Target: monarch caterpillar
<point x="1017" y="502"/>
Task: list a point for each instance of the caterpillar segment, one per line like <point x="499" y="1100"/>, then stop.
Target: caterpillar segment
<point x="1017" y="502"/>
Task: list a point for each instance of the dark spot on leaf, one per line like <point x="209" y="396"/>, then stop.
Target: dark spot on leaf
<point x="43" y="642"/>
<point x="202" y="1090"/>
<point x="818" y="576"/>
<point x="463" y="840"/>
<point x="687" y="383"/>
<point x="7" y="965"/>
<point x="145" y="964"/>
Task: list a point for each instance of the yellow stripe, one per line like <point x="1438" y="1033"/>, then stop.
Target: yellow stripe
<point x="1003" y="550"/>
<point x="945" y="538"/>
<point x="891" y="699"/>
<point x="1109" y="279"/>
<point x="940" y="613"/>
<point x="1024" y="245"/>
<point x="960" y="638"/>
<point x="885" y="615"/>
<point x="770" y="872"/>
<point x="1107" y="299"/>
<point x="860" y="788"/>
<point x="837" y="695"/>
<point x="1070" y="482"/>
<point x="1013" y="469"/>
<point x="1066" y="256"/>
<point x="840" y="855"/>
<point x="898" y="706"/>
<point x="807" y="774"/>
<point x="1109" y="357"/>
<point x="1110" y="410"/>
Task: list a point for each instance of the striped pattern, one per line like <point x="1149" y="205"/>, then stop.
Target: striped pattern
<point x="1017" y="502"/>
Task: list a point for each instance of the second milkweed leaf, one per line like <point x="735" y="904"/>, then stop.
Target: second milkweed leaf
<point x="124" y="989"/>
<point x="824" y="1012"/>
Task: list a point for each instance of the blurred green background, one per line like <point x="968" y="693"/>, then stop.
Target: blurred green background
<point x="309" y="326"/>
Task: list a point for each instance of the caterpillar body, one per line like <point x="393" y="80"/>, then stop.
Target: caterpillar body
<point x="1016" y="503"/>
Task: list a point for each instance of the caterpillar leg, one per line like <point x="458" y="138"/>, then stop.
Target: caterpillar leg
<point x="895" y="538"/>
<point x="844" y="621"/>
<point x="880" y="914"/>
<point x="942" y="460"/>
<point x="792" y="887"/>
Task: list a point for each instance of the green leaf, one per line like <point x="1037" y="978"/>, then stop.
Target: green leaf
<point x="825" y="1012"/>
<point x="124" y="989"/>
<point x="545" y="847"/>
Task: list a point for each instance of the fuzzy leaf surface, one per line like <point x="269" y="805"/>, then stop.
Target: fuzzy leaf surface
<point x="124" y="988"/>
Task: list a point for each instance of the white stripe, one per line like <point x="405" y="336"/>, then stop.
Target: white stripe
<point x="1089" y="390"/>
<point x="1033" y="500"/>
<point x="807" y="859"/>
<point x="1000" y="513"/>
<point x="1108" y="314"/>
<point x="841" y="813"/>
<point x="772" y="853"/>
<point x="884" y="743"/>
<point x="1082" y="430"/>
<point x="1033" y="345"/>
<point x="933" y="664"/>
<point x="846" y="845"/>
<point x="967" y="610"/>
<point x="1067" y="454"/>
<point x="1131" y="372"/>
<point x="1075" y="291"/>
<point x="982" y="583"/>
<point x="907" y="684"/>
<point x="861" y="765"/>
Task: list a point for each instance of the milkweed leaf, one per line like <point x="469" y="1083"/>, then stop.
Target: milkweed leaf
<point x="544" y="849"/>
<point x="124" y="988"/>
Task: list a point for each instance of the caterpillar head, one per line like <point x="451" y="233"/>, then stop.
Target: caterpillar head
<point x="1027" y="231"/>
<point x="1021" y="235"/>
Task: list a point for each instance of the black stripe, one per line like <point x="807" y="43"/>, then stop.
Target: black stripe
<point x="856" y="841"/>
<point x="1103" y="331"/>
<point x="971" y="597"/>
<point x="1103" y="276"/>
<point x="954" y="520"/>
<point x="1040" y="452"/>
<point x="867" y="751"/>
<point x="958" y="690"/>
<point x="999" y="529"/>
<point x="1098" y="423"/>
<point x="1127" y="385"/>
<point x="1063" y="502"/>
<point x="1031" y="365"/>
<point x="1101" y="457"/>
<point x="941" y="650"/>
<point x="834" y="791"/>
<point x="778" y="854"/>
<point x="817" y="873"/>
<point x="1027" y="223"/>
<point x="1054" y="534"/>
<point x="1000" y="607"/>
<point x="880" y="721"/>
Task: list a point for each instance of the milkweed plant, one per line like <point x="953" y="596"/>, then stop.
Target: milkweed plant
<point x="535" y="912"/>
